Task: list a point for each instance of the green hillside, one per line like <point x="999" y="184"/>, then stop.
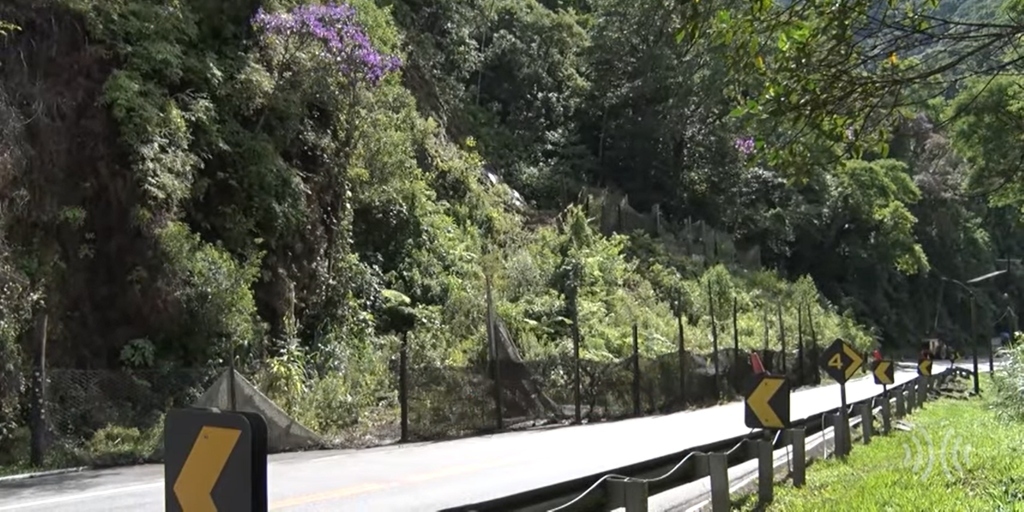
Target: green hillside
<point x="292" y="183"/>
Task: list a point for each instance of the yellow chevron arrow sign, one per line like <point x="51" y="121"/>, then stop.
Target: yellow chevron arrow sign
<point x="856" y="360"/>
<point x="924" y="367"/>
<point x="767" y="403"/>
<point x="215" y="461"/>
<point x="884" y="372"/>
<point x="202" y="469"/>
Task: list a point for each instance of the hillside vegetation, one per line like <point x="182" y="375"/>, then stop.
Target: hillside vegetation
<point x="293" y="182"/>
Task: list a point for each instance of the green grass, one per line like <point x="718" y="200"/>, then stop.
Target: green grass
<point x="980" y="451"/>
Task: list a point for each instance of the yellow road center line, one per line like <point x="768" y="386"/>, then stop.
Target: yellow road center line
<point x="354" y="490"/>
<point x="344" y="492"/>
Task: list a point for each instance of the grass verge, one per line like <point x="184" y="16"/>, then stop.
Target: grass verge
<point x="960" y="455"/>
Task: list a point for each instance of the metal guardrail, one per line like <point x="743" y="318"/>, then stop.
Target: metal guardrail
<point x="669" y="471"/>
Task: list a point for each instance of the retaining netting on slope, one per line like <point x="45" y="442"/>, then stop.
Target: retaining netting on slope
<point x="454" y="401"/>
<point x="115" y="416"/>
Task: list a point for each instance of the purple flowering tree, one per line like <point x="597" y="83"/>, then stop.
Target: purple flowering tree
<point x="330" y="32"/>
<point x="314" y="68"/>
<point x="744" y="145"/>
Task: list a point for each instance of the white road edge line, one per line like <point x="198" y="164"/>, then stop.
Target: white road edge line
<point x="79" y="496"/>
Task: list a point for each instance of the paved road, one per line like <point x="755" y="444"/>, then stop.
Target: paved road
<point x="431" y="476"/>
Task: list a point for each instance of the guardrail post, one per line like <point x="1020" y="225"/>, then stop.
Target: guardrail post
<point x="718" y="470"/>
<point x="866" y="419"/>
<point x="765" y="472"/>
<point x="839" y="431"/>
<point x="922" y="391"/>
<point x="901" y="404"/>
<point x="911" y="398"/>
<point x="886" y="415"/>
<point x="797" y="437"/>
<point x="627" y="493"/>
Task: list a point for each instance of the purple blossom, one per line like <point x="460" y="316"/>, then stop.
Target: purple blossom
<point x="744" y="145"/>
<point x="336" y="28"/>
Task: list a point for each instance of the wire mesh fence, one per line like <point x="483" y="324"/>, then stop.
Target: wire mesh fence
<point x="452" y="401"/>
<point x="80" y="402"/>
<point x="102" y="417"/>
<point x="89" y="413"/>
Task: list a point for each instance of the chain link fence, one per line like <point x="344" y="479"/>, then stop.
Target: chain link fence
<point x="107" y="417"/>
<point x="104" y="417"/>
<point x="447" y="402"/>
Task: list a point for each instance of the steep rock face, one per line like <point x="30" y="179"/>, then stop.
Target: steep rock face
<point x="68" y="196"/>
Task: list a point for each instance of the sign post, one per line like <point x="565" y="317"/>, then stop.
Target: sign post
<point x="215" y="461"/>
<point x="840" y="361"/>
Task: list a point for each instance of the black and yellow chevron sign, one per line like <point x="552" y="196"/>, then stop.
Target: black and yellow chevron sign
<point x="924" y="367"/>
<point x="767" y="402"/>
<point x="840" y="361"/>
<point x="884" y="372"/>
<point x="215" y="461"/>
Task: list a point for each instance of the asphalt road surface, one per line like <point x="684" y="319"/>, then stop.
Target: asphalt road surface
<point x="432" y="476"/>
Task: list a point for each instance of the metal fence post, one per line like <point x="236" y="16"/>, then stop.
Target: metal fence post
<point x="814" y="339"/>
<point x="714" y="339"/>
<point x="782" y="337"/>
<point x="974" y="345"/>
<point x="577" y="385"/>
<point x="38" y="423"/>
<point x="636" y="371"/>
<point x="492" y="339"/>
<point x="403" y="385"/>
<point x="800" y="344"/>
<point x="682" y="360"/>
<point x="901" y="403"/>
<point x="735" y="338"/>
<point x="767" y="334"/>
<point x="232" y="398"/>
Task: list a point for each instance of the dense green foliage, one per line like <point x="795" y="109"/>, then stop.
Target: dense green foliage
<point x="180" y="185"/>
<point x="1009" y="381"/>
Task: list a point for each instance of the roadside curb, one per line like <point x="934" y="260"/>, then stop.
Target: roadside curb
<point x="40" y="474"/>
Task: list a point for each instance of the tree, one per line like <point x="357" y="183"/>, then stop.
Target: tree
<point x="842" y="73"/>
<point x="988" y="130"/>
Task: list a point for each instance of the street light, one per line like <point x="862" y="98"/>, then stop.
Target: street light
<point x="991" y="354"/>
<point x="974" y="331"/>
<point x="974" y="323"/>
